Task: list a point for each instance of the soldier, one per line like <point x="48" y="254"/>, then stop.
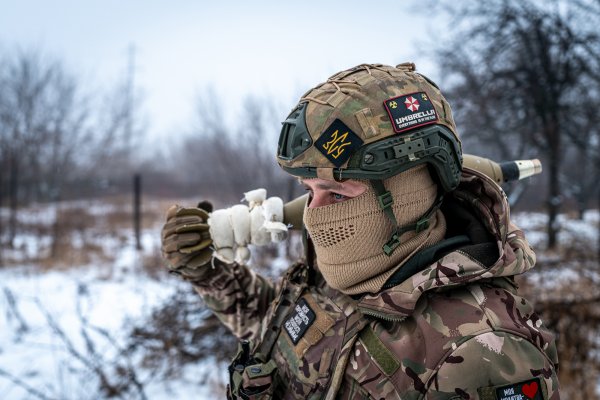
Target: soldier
<point x="407" y="290"/>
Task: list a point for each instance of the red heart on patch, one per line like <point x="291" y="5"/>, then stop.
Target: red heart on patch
<point x="530" y="390"/>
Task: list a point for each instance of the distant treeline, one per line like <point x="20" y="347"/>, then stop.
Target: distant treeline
<point x="522" y="77"/>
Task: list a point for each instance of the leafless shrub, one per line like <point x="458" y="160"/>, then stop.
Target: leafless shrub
<point x="13" y="312"/>
<point x="92" y="353"/>
<point x="577" y="324"/>
<point x="117" y="376"/>
<point x="24" y="385"/>
<point x="525" y="84"/>
<point x="179" y="332"/>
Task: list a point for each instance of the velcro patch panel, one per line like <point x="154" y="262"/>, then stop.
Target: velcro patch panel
<point x="525" y="390"/>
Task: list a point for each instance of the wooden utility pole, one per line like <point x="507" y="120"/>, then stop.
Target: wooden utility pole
<point x="137" y="177"/>
<point x="137" y="209"/>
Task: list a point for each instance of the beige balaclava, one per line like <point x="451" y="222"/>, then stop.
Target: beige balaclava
<point x="348" y="236"/>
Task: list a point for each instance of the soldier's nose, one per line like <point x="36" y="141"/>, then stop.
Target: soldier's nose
<point x="318" y="200"/>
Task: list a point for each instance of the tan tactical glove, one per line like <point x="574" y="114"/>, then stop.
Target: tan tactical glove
<point x="186" y="242"/>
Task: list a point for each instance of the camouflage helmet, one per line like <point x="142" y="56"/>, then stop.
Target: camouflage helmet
<point x="371" y="122"/>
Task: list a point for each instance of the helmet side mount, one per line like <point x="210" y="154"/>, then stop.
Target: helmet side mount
<point x="294" y="138"/>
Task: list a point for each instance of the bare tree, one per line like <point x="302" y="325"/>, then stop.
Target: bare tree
<point x="519" y="70"/>
<point x="56" y="141"/>
<point x="42" y="125"/>
<point x="584" y="136"/>
<point x="109" y="159"/>
<point x="222" y="158"/>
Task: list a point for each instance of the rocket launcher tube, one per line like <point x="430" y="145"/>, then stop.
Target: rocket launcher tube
<point x="500" y="172"/>
<point x="528" y="168"/>
<point x="293" y="211"/>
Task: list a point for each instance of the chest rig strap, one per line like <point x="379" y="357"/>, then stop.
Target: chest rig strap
<point x="254" y="376"/>
<point x="293" y="286"/>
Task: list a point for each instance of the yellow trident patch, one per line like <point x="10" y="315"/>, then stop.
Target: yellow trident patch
<point x="336" y="144"/>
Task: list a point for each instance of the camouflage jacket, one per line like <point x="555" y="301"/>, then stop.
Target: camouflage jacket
<point x="454" y="329"/>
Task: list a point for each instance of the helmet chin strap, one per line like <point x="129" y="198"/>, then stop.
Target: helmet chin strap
<point x="385" y="201"/>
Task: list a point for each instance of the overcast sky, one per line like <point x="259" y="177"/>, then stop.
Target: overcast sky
<point x="268" y="48"/>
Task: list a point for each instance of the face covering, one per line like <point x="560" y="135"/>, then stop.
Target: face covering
<point x="348" y="237"/>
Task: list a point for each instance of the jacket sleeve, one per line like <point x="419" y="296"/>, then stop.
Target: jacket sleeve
<point x="495" y="365"/>
<point x="238" y="296"/>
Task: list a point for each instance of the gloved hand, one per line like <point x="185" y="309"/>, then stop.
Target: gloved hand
<point x="190" y="235"/>
<point x="186" y="241"/>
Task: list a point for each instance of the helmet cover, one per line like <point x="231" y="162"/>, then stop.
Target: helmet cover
<point x="371" y="122"/>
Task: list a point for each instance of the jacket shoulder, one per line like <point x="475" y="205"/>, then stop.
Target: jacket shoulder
<point x="448" y="337"/>
<point x="492" y="361"/>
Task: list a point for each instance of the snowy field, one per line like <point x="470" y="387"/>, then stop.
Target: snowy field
<point x="46" y="334"/>
<point x="64" y="331"/>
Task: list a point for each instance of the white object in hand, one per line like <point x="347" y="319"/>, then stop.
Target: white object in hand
<point x="234" y="228"/>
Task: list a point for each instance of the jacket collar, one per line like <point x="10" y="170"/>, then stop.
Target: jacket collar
<point x="489" y="204"/>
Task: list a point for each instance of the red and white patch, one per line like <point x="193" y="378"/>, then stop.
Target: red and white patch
<point x="530" y="390"/>
<point x="418" y="111"/>
<point x="412" y="104"/>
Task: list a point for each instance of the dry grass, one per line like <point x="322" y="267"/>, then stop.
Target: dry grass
<point x="179" y="332"/>
<point x="81" y="233"/>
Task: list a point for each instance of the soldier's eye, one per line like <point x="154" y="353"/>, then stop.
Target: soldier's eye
<point x="338" y="197"/>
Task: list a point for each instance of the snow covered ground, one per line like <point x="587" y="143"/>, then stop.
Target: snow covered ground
<point x="534" y="226"/>
<point x="60" y="328"/>
<point x="47" y="317"/>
